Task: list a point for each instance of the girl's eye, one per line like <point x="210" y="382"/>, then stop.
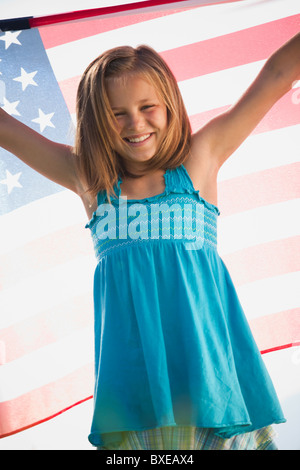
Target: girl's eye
<point x="148" y="106"/>
<point x="143" y="108"/>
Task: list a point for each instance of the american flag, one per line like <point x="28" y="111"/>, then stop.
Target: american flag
<point x="46" y="256"/>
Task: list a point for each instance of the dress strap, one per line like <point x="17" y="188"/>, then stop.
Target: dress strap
<point x="102" y="195"/>
<point x="179" y="181"/>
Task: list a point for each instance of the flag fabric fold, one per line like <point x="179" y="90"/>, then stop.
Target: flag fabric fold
<point x="46" y="256"/>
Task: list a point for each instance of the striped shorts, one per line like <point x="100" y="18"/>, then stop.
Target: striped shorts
<point x="193" y="438"/>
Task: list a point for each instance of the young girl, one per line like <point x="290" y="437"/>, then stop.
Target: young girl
<point x="176" y="366"/>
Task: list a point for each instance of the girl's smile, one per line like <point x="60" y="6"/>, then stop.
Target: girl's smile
<point x="135" y="140"/>
<point x="141" y="116"/>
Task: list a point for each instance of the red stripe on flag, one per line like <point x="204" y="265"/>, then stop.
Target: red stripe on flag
<point x="69" y="89"/>
<point x="277" y="331"/>
<point x="265" y="260"/>
<point x="47" y="327"/>
<point x="230" y="50"/>
<point x="46" y="402"/>
<point x="56" y="35"/>
<point x="286" y="112"/>
<point x="259" y="189"/>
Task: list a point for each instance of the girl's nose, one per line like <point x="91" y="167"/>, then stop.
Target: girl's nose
<point x="135" y="121"/>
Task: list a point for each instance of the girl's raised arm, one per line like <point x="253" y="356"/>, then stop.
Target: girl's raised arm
<point x="53" y="160"/>
<point x="218" y="139"/>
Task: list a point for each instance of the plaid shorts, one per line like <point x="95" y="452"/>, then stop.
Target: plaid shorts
<point x="193" y="438"/>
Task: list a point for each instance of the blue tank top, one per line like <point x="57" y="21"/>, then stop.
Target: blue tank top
<point x="172" y="343"/>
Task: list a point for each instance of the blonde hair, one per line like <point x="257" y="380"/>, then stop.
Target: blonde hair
<point x="97" y="133"/>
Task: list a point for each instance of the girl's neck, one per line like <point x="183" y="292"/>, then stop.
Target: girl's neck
<point x="148" y="185"/>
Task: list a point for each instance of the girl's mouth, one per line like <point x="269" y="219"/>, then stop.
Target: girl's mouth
<point x="137" y="139"/>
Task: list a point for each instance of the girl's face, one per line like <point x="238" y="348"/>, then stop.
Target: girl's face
<point x="141" y="116"/>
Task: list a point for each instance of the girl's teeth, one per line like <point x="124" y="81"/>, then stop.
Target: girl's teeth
<point x="139" y="139"/>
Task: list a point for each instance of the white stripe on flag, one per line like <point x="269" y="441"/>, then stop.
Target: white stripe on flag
<point x="260" y="225"/>
<point x="218" y="89"/>
<point x="271" y="295"/>
<point x="47" y="215"/>
<point x="263" y="151"/>
<point x="34" y="295"/>
<point x="47" y="364"/>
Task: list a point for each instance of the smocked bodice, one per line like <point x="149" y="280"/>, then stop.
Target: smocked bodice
<point x="178" y="215"/>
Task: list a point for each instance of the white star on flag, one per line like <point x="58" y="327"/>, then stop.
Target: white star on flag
<point x="10" y="108"/>
<point x="12" y="181"/>
<point x="26" y="78"/>
<point x="44" y="120"/>
<point x="10" y="37"/>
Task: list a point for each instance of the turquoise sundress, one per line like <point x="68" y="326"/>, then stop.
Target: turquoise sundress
<point x="172" y="343"/>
